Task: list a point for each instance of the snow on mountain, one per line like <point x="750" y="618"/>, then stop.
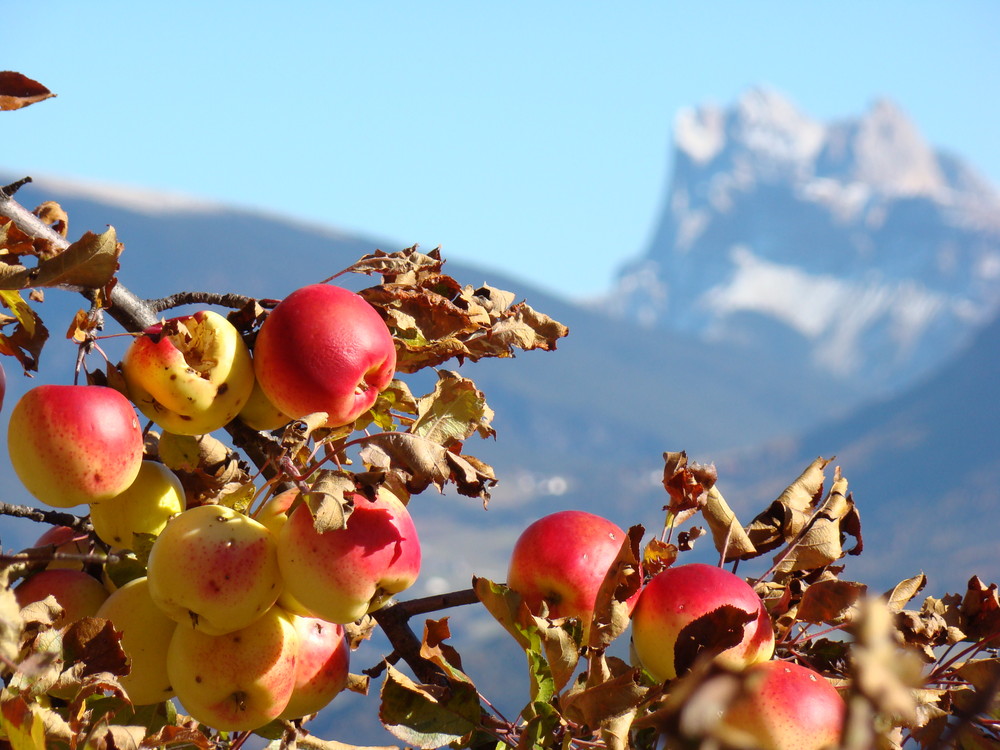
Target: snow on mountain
<point x="853" y="242"/>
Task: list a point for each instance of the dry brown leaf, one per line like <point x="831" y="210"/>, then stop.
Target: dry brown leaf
<point x="17" y="91"/>
<point x="727" y="533"/>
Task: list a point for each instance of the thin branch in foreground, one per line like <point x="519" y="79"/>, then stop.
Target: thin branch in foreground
<point x="39" y="515"/>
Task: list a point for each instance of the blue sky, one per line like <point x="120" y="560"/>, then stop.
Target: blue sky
<point x="531" y="137"/>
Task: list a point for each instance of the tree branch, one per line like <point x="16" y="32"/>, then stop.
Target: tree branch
<point x="54" y="517"/>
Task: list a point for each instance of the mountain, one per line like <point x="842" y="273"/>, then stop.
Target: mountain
<point x="852" y="245"/>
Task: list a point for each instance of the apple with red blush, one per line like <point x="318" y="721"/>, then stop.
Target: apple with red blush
<point x="324" y="349"/>
<point x="74" y="444"/>
<point x="342" y="574"/>
<point x="693" y="610"/>
<point x="561" y="560"/>
<point x="786" y="706"/>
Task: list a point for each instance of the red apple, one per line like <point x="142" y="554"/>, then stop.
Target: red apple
<point x="787" y="707"/>
<point x="191" y="375"/>
<point x="341" y="575"/>
<point x="65" y="539"/>
<point x="324" y="349"/>
<point x="79" y="594"/>
<point x="561" y="560"/>
<point x="321" y="666"/>
<point x="73" y="444"/>
<point x="693" y="609"/>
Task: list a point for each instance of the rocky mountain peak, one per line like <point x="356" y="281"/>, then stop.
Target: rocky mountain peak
<point x="852" y="244"/>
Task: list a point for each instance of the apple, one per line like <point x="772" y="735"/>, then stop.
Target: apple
<point x="786" y="706"/>
<point x="321" y="666"/>
<point x="324" y="349"/>
<point x="341" y="575"/>
<point x="695" y="608"/>
<point x="79" y="594"/>
<point x="273" y="515"/>
<point x="237" y="681"/>
<point x="146" y="632"/>
<point x="214" y="569"/>
<point x="65" y="539"/>
<point x="191" y="375"/>
<point x="74" y="444"/>
<point x="260" y="414"/>
<point x="561" y="560"/>
<point x="144" y="508"/>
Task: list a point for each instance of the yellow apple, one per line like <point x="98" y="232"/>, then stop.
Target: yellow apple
<point x="237" y="681"/>
<point x="144" y="508"/>
<point x="146" y="632"/>
<point x="79" y="594"/>
<point x="260" y="414"/>
<point x="214" y="569"/>
<point x="191" y="375"/>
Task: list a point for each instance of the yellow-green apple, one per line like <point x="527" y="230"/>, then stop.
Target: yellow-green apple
<point x="79" y="594"/>
<point x="74" y="444"/>
<point x="786" y="706"/>
<point x="237" y="681"/>
<point x="259" y="413"/>
<point x="65" y="539"/>
<point x="694" y="610"/>
<point x="191" y="375"/>
<point x="321" y="666"/>
<point x="214" y="569"/>
<point x="324" y="349"/>
<point x="150" y="501"/>
<point x="341" y="575"/>
<point x="146" y="632"/>
<point x="274" y="515"/>
<point x="560" y="561"/>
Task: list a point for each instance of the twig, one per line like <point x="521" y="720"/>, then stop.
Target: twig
<point x="234" y="301"/>
<point x="39" y="515"/>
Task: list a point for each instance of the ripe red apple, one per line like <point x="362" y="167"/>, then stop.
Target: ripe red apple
<point x="65" y="539"/>
<point x="323" y="348"/>
<point x="561" y="559"/>
<point x="79" y="594"/>
<point x="191" y="375"/>
<point x="73" y="444"/>
<point x="214" y="569"/>
<point x="237" y="681"/>
<point x="787" y="707"/>
<point x="146" y="632"/>
<point x="685" y="611"/>
<point x="341" y="575"/>
<point x="321" y="666"/>
<point x="274" y="515"/>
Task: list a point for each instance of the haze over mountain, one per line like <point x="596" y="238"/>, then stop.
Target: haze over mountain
<point x="854" y="244"/>
<point x="800" y="272"/>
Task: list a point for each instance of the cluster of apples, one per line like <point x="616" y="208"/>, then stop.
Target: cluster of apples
<point x="241" y="618"/>
<point x="558" y="564"/>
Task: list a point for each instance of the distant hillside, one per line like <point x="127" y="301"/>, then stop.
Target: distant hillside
<point x="924" y="468"/>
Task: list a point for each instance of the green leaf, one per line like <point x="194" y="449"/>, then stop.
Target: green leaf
<point x="428" y="716"/>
